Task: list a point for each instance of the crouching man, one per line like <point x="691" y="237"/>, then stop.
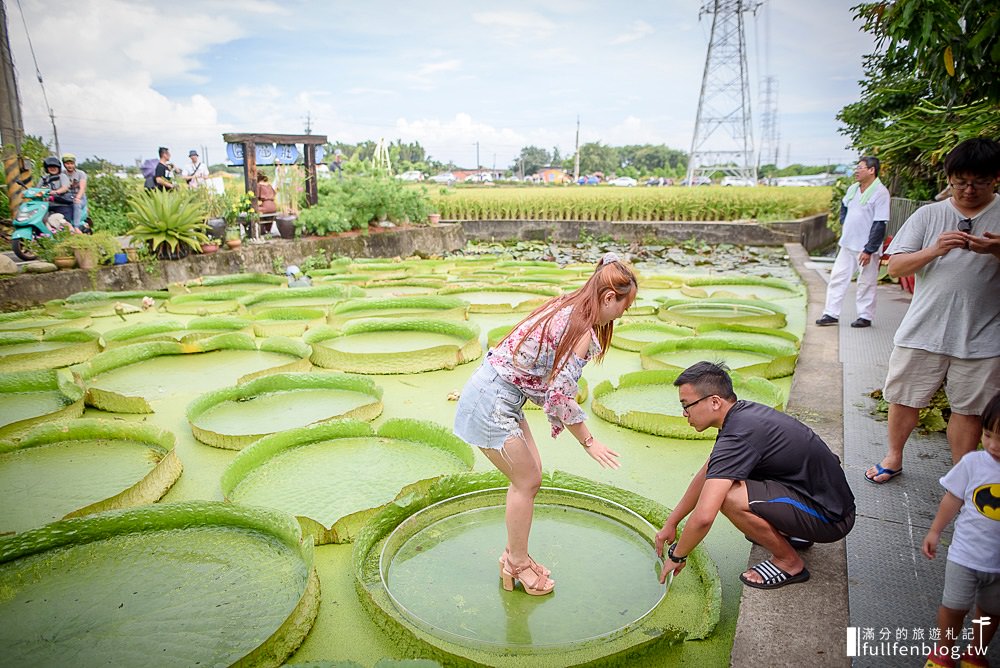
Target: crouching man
<point x="771" y="475"/>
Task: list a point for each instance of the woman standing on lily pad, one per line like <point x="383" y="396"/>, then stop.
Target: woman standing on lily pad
<point x="541" y="360"/>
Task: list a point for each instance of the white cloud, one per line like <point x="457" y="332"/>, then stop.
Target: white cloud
<point x="516" y="27"/>
<point x="638" y="30"/>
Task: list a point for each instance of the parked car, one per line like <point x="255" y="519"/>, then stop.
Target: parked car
<point x="412" y="175"/>
<point x="479" y="177"/>
<point x="699" y="181"/>
<point x="659" y="181"/>
<point x="444" y="177"/>
<point x="624" y="181"/>
<point x="736" y="181"/>
<point x="591" y="180"/>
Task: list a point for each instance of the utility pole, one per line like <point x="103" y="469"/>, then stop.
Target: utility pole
<point x="576" y="160"/>
<point x="477" y="156"/>
<point x="11" y="127"/>
<point x="308" y="124"/>
<point x="724" y="103"/>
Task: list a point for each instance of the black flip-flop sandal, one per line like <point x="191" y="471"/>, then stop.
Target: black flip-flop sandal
<point x="773" y="577"/>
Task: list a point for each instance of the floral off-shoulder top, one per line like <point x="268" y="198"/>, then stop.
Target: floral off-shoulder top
<point x="530" y="370"/>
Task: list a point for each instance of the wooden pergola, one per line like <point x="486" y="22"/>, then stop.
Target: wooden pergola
<point x="250" y="141"/>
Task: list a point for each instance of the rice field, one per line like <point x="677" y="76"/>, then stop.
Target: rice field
<point x="704" y="203"/>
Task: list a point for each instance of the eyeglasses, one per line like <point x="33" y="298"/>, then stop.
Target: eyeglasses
<point x="978" y="184"/>
<point x="965" y="225"/>
<point x="687" y="407"/>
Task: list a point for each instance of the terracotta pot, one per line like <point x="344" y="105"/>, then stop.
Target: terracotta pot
<point x="434" y="218"/>
<point x="208" y="249"/>
<point x="64" y="261"/>
<point x="132" y="254"/>
<point x="87" y="259"/>
<point x="233" y="243"/>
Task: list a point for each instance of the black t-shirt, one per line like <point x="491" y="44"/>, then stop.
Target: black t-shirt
<point x="161" y="173"/>
<point x="759" y="443"/>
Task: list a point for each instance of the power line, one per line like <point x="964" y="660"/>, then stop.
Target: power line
<point x="38" y="73"/>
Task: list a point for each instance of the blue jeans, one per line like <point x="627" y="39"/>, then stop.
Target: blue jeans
<point x="78" y="211"/>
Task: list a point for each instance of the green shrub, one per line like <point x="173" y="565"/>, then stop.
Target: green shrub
<point x="352" y="204"/>
<point x="168" y="221"/>
<point x="108" y="201"/>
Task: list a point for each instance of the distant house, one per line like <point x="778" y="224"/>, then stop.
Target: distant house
<point x="553" y="175"/>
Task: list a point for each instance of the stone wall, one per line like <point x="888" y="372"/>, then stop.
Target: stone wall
<point x="811" y="231"/>
<point x="27" y="290"/>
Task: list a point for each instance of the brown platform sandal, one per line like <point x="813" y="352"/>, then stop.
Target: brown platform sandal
<point x="510" y="574"/>
<point x="503" y="562"/>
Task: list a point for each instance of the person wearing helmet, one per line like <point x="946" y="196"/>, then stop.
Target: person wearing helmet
<point x="296" y="279"/>
<point x="58" y="184"/>
<point x="77" y="187"/>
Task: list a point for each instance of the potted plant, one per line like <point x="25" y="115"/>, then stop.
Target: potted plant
<point x="233" y="236"/>
<point x="216" y="205"/>
<point x="45" y="249"/>
<point x="89" y="249"/>
<point x="289" y="184"/>
<point x="170" y="223"/>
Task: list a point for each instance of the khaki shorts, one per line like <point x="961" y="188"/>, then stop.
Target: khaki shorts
<point x="915" y="375"/>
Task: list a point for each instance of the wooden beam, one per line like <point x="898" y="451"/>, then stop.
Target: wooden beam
<point x="312" y="194"/>
<point x="264" y="138"/>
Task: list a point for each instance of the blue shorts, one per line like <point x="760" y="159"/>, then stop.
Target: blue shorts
<point x="489" y="410"/>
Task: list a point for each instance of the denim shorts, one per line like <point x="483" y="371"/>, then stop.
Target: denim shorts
<point x="489" y="410"/>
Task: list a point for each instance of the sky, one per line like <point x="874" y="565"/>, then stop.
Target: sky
<point x="464" y="79"/>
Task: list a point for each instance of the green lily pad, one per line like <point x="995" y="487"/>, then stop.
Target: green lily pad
<point x="322" y="296"/>
<point x="750" y="358"/>
<point x="647" y="401"/>
<point x="389" y="346"/>
<point x="28" y="351"/>
<point x="205" y="303"/>
<point x="413" y="306"/>
<point x="692" y="313"/>
<point x="126" y="379"/>
<point x="503" y="298"/>
<point x="38" y="320"/>
<point x="414" y="538"/>
<point x="633" y="336"/>
<point x="79" y="467"/>
<point x="100" y="304"/>
<point x="169" y="585"/>
<point x="28" y="398"/>
<point x="747" y="333"/>
<point x="335" y="476"/>
<point x="291" y="321"/>
<point x="247" y="282"/>
<point x="236" y="416"/>
<point x="739" y="287"/>
<point x="173" y="330"/>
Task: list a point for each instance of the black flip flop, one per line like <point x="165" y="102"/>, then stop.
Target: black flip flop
<point x="773" y="577"/>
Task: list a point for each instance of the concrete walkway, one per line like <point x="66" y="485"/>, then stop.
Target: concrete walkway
<point x="876" y="581"/>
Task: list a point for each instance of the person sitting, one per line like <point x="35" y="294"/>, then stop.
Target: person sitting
<point x="266" y="207"/>
<point x="772" y="476"/>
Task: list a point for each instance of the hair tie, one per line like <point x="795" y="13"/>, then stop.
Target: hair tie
<point x="609" y="258"/>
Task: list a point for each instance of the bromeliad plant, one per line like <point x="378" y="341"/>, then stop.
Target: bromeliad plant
<point x="170" y="223"/>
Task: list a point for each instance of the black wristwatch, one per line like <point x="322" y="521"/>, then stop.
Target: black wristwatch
<point x="676" y="560"/>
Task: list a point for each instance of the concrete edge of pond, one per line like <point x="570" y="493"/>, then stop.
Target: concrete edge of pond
<point x="795" y="626"/>
<point x="24" y="290"/>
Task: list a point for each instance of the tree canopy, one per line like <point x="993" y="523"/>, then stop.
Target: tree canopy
<point x="932" y="82"/>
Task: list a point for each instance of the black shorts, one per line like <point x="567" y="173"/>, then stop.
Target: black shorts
<point x="793" y="514"/>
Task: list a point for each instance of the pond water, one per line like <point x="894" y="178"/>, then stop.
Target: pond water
<point x="17" y="406"/>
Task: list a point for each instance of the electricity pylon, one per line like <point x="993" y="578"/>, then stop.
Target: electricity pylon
<point x="723" y="131"/>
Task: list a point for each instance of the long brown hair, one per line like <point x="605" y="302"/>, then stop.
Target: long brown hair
<point x="611" y="274"/>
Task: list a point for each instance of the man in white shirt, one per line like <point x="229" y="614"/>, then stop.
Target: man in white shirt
<point x="196" y="174"/>
<point x="864" y="213"/>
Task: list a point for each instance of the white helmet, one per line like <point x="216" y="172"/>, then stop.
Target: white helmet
<point x="292" y="271"/>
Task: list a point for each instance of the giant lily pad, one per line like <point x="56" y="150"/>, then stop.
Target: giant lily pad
<point x="28" y="398"/>
<point x="635" y="335"/>
<point x="426" y="571"/>
<point x="335" y="476"/>
<point x="747" y="333"/>
<point x="28" y="351"/>
<point x="291" y="321"/>
<point x="205" y="303"/>
<point x="750" y="358"/>
<point x="413" y="306"/>
<point x="100" y="304"/>
<point x="236" y="416"/>
<point x="323" y="296"/>
<point x="172" y="585"/>
<point x="126" y="379"/>
<point x="172" y="330"/>
<point x="386" y="346"/>
<point x="647" y="401"/>
<point x="503" y="298"/>
<point x="247" y="282"/>
<point x="79" y="467"/>
<point x="740" y="287"/>
<point x="38" y="320"/>
<point x="692" y="313"/>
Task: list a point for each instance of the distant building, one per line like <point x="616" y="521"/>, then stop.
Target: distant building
<point x="553" y="175"/>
